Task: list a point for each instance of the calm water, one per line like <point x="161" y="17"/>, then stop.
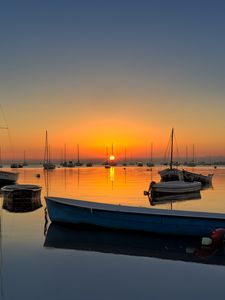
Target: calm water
<point x="42" y="261"/>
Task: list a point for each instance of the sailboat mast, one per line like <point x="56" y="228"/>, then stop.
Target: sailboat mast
<point x="171" y="152"/>
<point x="151" y="152"/>
<point x="78" y="153"/>
<point x="46" y="158"/>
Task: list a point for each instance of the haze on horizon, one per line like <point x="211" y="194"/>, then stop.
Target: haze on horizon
<point x="99" y="72"/>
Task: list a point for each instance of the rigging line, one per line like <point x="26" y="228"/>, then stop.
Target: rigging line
<point x="178" y="154"/>
<point x="8" y="131"/>
<point x="166" y="153"/>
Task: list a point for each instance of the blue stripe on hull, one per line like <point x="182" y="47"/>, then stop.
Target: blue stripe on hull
<point x="163" y="224"/>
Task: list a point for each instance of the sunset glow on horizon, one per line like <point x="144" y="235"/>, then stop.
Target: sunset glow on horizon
<point x="104" y="72"/>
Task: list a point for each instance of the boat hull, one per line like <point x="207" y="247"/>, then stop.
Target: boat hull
<point x="174" y="188"/>
<point x="158" y="221"/>
<point x="8" y="177"/>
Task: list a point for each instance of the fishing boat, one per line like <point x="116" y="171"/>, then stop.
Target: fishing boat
<point x="173" y="248"/>
<point x="171" y="173"/>
<point x="47" y="164"/>
<point x="159" y="221"/>
<point x="173" y="188"/>
<point x="191" y="176"/>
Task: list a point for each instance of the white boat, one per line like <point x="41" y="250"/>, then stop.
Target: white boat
<point x="174" y="187"/>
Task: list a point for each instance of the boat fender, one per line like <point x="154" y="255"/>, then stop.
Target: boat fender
<point x="218" y="235"/>
<point x="206" y="241"/>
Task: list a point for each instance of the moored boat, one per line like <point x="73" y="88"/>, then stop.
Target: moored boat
<point x="7" y="177"/>
<point x="174" y="188"/>
<point x="21" y="197"/>
<point x="190" y="176"/>
<point x="74" y="212"/>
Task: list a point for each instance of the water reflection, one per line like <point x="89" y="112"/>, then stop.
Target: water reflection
<point x="174" y="198"/>
<point x="134" y="244"/>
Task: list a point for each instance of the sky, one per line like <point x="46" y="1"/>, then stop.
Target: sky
<point x="97" y="72"/>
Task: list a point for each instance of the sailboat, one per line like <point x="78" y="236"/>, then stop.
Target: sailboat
<point x="150" y="163"/>
<point x="47" y="165"/>
<point x="7" y="177"/>
<point x="78" y="163"/>
<point x="192" y="163"/>
<point x="125" y="157"/>
<point x="172" y="182"/>
<point x="171" y="174"/>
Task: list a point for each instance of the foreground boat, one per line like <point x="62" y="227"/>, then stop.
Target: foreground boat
<point x="71" y="211"/>
<point x="7" y="177"/>
<point x="188" y="249"/>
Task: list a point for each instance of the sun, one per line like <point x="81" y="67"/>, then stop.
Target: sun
<point x="112" y="157"/>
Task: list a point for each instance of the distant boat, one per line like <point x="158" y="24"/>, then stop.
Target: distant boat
<point x="150" y="163"/>
<point x="125" y="157"/>
<point x="88" y="164"/>
<point x="7" y="177"/>
<point x="25" y="163"/>
<point x="47" y="165"/>
<point x="14" y="166"/>
<point x="139" y="164"/>
<point x="78" y="163"/>
<point x="192" y="163"/>
<point x="171" y="174"/>
<point x="161" y="221"/>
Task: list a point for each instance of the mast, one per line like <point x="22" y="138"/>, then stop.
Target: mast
<point x="193" y="158"/>
<point x="46" y="157"/>
<point x="171" y="152"/>
<point x="151" y="152"/>
<point x="78" y="154"/>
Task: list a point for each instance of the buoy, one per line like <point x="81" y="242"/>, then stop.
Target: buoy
<point x="38" y="175"/>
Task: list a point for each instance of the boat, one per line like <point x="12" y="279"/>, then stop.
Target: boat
<point x="191" y="176"/>
<point x="150" y="163"/>
<point x="173" y="188"/>
<point x="7" y="177"/>
<point x="174" y="174"/>
<point x="78" y="163"/>
<point x="21" y="197"/>
<point x="172" y="248"/>
<point x="47" y="164"/>
<point x="158" y="221"/>
<point x="139" y="164"/>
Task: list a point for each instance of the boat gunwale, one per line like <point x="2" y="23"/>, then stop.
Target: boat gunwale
<point x="134" y="209"/>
